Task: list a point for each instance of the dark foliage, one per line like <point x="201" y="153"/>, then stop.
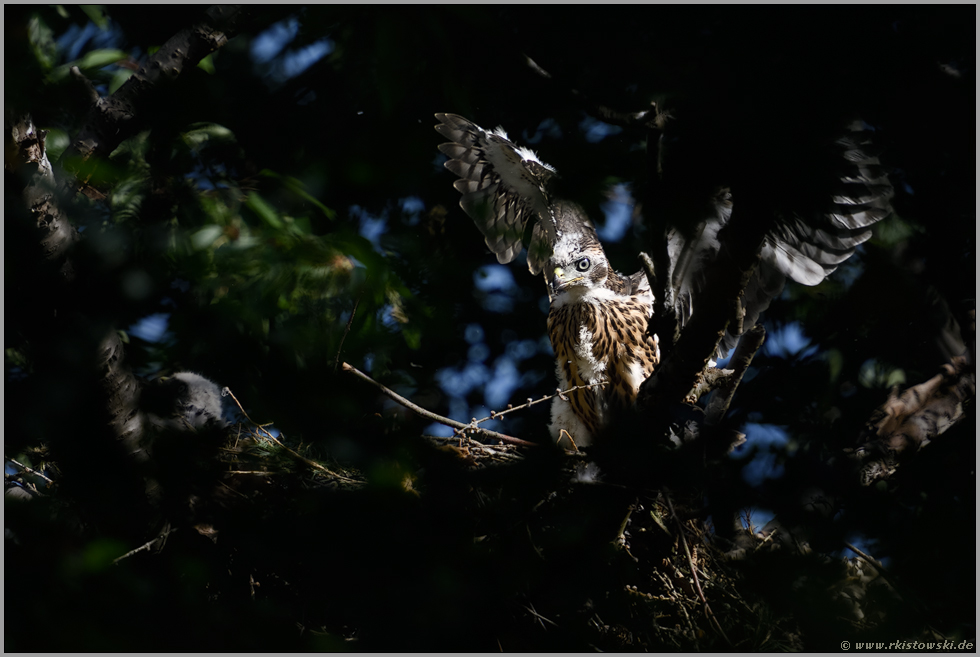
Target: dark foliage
<point x="285" y="219"/>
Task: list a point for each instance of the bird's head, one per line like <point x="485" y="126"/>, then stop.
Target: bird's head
<point x="578" y="263"/>
<point x="578" y="269"/>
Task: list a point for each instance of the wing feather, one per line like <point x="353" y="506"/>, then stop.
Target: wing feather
<point x="805" y="246"/>
<point x="503" y="187"/>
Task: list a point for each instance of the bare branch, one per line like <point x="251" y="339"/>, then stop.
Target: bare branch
<point x="465" y="428"/>
<point x="531" y="402"/>
<point x="31" y="159"/>
<point x="651" y="273"/>
<point x="711" y="379"/>
<point x="27" y="469"/>
<point x="146" y="546"/>
<point x="726" y="277"/>
<point x="748" y="345"/>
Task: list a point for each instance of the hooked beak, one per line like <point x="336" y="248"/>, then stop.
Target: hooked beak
<point x="560" y="280"/>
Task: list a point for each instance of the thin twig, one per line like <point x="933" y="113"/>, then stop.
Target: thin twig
<point x="679" y="601"/>
<point x="336" y="361"/>
<point x="863" y="555"/>
<point x="541" y="619"/>
<point x="27" y="469"/>
<point x="874" y="562"/>
<point x="253" y="472"/>
<point x="145" y="546"/>
<point x="694" y="572"/>
<point x="605" y="113"/>
<point x="768" y="537"/>
<point x="888" y="578"/>
<point x="468" y="428"/>
<point x="494" y="415"/>
<point x="239" y="493"/>
<point x="296" y="455"/>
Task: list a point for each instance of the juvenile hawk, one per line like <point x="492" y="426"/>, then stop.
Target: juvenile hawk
<point x="598" y="317"/>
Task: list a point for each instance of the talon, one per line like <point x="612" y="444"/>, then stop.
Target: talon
<point x="563" y="432"/>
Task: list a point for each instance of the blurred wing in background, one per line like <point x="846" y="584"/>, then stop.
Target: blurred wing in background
<point x="806" y="245"/>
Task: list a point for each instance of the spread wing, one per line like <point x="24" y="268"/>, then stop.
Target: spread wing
<point x="804" y="246"/>
<point x="504" y="186"/>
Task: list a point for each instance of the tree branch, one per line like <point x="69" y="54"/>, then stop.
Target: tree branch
<point x="115" y="118"/>
<point x="748" y="345"/>
<point x="350" y="321"/>
<point x="111" y="120"/>
<point x="148" y="545"/>
<point x="464" y="428"/>
<point x="726" y="278"/>
<point x="31" y="161"/>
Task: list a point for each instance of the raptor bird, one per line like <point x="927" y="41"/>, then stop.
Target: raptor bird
<point x="598" y="317"/>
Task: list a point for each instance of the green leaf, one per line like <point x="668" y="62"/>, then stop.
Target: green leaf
<point x="119" y="79"/>
<point x="205" y="237"/>
<point x="202" y="133"/>
<point x="99" y="58"/>
<point x="896" y="377"/>
<point x="207" y="64"/>
<point x="265" y="211"/>
<point x="296" y="187"/>
<point x="42" y="41"/>
<point x="99" y="555"/>
<point x="91" y="61"/>
<point x="835" y="362"/>
<point x="96" y="14"/>
<point x="875" y="374"/>
<point x="56" y="142"/>
<point x="893" y="231"/>
<point x="412" y="335"/>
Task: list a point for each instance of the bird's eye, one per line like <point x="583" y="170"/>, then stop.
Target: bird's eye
<point x="583" y="264"/>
